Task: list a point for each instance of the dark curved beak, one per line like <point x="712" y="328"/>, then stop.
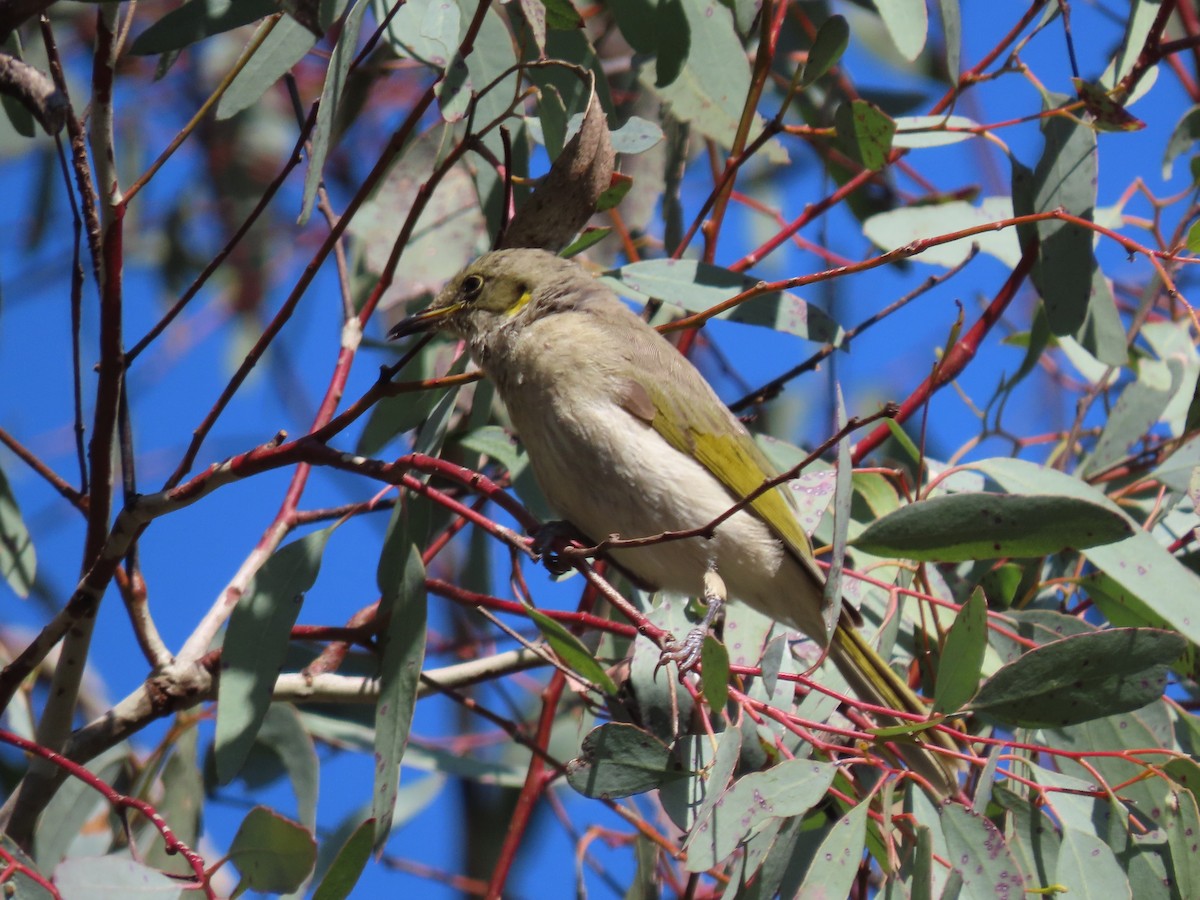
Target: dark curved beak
<point x="427" y="319"/>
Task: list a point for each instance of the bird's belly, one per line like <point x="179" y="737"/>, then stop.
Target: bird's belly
<point x="611" y="474"/>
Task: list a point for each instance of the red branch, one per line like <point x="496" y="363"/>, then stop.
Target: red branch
<point x="952" y="365"/>
<point x="120" y="802"/>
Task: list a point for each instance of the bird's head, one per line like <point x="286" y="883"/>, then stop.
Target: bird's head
<point x="499" y="294"/>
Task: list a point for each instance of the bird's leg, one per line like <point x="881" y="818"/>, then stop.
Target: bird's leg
<point x="686" y="653"/>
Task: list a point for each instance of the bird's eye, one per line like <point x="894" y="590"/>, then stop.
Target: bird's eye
<point x="471" y="286"/>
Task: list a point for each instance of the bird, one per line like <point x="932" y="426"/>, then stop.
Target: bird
<point x="627" y="439"/>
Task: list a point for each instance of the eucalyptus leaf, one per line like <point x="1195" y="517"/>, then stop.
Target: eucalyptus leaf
<point x="827" y="48"/>
<point x="838" y="859"/>
<point x="256" y="644"/>
<point x="907" y="21"/>
<point x="789" y="788"/>
<point x="1087" y="868"/>
<point x="403" y="607"/>
<point x="568" y="648"/>
<point x="956" y="527"/>
<point x="1083" y="677"/>
<point x="272" y="854"/>
<point x="348" y="865"/>
<point x="697" y="286"/>
<point x="619" y="760"/>
<point x="979" y="854"/>
<point x="198" y="19"/>
<point x="1139" y="564"/>
<point x="18" y="561"/>
<point x="107" y="878"/>
<point x="961" y="659"/>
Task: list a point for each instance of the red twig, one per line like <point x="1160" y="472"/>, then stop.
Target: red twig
<point x="956" y="360"/>
<point x="120" y="802"/>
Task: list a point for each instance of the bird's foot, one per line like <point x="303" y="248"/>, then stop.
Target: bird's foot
<point x="549" y="540"/>
<point x="686" y="653"/>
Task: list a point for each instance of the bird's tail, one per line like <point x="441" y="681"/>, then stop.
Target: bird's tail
<point x="873" y="681"/>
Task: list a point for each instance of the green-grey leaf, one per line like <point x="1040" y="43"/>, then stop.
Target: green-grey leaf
<point x="256" y="644"/>
<point x="1087" y="867"/>
<point x="900" y="227"/>
<point x="1139" y="564"/>
<point x="637" y="135"/>
<point x="106" y="877"/>
<point x="1082" y="677"/>
<point x="697" y="286"/>
<point x="574" y="655"/>
<point x="689" y="800"/>
<point x="962" y="655"/>
<point x="828" y="46"/>
<point x="1073" y="290"/>
<point x="1141" y="404"/>
<point x="284" y="733"/>
<point x="864" y="132"/>
<point x="62" y="821"/>
<point x="197" y="20"/>
<point x="1182" y="824"/>
<point x="952" y="36"/>
<point x="714" y="659"/>
<point x="957" y="527"/>
<point x="907" y="22"/>
<point x="403" y="603"/>
<point x="331" y="97"/>
<point x="18" y="562"/>
<point x="703" y="74"/>
<point x="286" y="45"/>
<point x="837" y="862"/>
<point x="789" y="788"/>
<point x="272" y="854"/>
<point x="619" y="760"/>
<point x="1185" y="134"/>
<point x="934" y="131"/>
<point x="348" y="865"/>
<point x="979" y="854"/>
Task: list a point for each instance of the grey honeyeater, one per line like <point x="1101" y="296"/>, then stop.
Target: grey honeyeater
<point x="627" y="438"/>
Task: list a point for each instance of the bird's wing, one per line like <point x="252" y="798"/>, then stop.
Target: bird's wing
<point x="710" y="434"/>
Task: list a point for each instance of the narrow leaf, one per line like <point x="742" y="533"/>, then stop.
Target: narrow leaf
<point x="331" y="98"/>
<point x="836" y="864"/>
<point x="1083" y="677"/>
<point x="962" y="655"/>
<point x="256" y="644"/>
<point x="697" y="286"/>
<point x="402" y="604"/>
<point x="574" y="655"/>
<point x="957" y="527"/>
<point x="197" y="20"/>
<point x="714" y="659"/>
<point x="18" y="562"/>
<point x="828" y="46"/>
<point x="348" y="865"/>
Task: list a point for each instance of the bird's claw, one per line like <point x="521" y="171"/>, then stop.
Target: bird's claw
<point x="686" y="653"/>
<point x="546" y="543"/>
